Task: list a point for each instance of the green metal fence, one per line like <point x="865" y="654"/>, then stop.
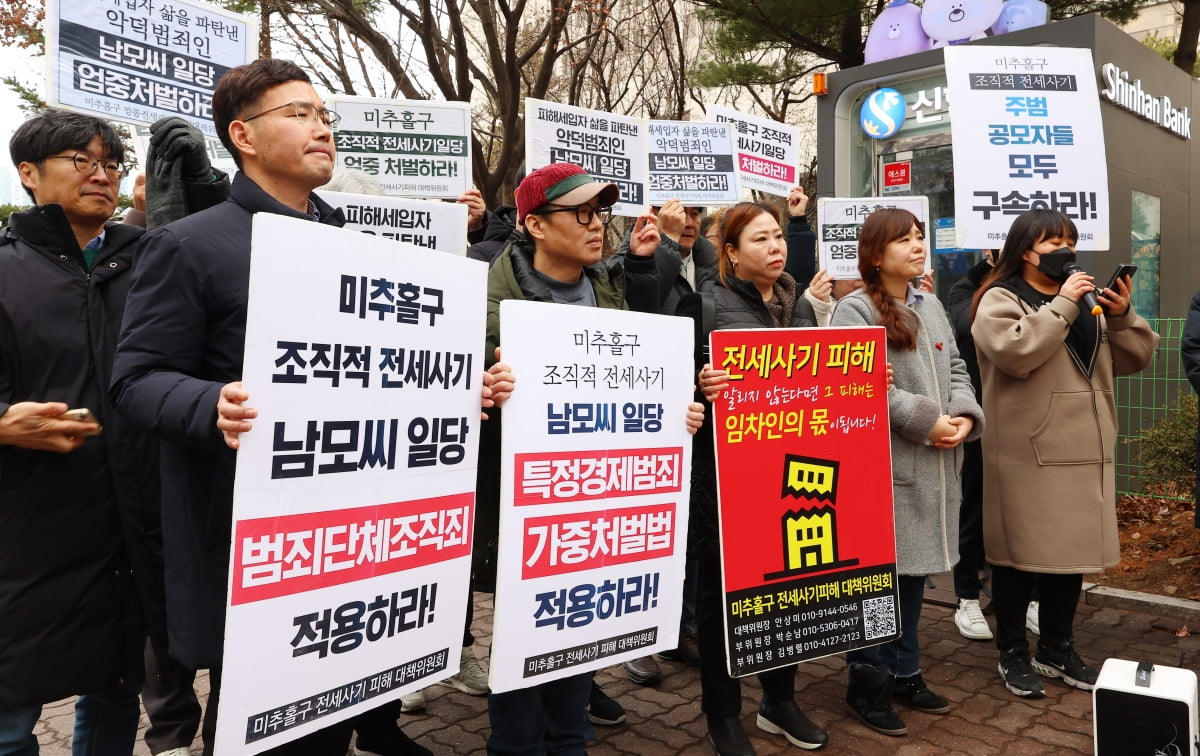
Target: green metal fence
<point x="1145" y="399"/>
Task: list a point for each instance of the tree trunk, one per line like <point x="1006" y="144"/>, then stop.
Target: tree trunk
<point x="1189" y="35"/>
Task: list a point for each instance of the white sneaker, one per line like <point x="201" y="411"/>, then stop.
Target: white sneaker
<point x="175" y="752"/>
<point x="414" y="701"/>
<point x="1031" y="618"/>
<point x="969" y="619"/>
<point x="472" y="678"/>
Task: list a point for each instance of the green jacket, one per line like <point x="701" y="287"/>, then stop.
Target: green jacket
<point x="620" y="283"/>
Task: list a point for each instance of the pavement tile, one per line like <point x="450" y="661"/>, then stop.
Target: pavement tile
<point x="665" y="719"/>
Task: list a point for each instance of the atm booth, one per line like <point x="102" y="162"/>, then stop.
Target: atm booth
<point x="1153" y="181"/>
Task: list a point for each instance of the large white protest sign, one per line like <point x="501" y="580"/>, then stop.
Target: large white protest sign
<point x="1027" y="135"/>
<point x="354" y="493"/>
<point x="593" y="489"/>
<point x="416" y="148"/>
<point x="767" y="150"/>
<point x="433" y="225"/>
<point x="141" y="61"/>
<point x="608" y="146"/>
<point x="839" y="220"/>
<point x="693" y="162"/>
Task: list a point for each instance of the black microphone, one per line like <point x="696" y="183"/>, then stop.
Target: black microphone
<point x="1089" y="297"/>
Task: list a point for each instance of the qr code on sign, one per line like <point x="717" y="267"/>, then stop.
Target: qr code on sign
<point x="879" y="617"/>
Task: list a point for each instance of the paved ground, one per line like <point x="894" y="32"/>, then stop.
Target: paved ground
<point x="986" y="719"/>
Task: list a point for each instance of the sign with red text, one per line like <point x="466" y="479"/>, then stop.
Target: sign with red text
<point x="414" y="148"/>
<point x="609" y="146"/>
<point x="767" y="151"/>
<point x="808" y="546"/>
<point x="138" y="62"/>
<point x="354" y="496"/>
<point x="897" y="177"/>
<point x="594" y="488"/>
<point x="693" y="162"/>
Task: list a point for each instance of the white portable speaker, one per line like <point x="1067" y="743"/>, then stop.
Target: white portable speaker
<point x="1143" y="709"/>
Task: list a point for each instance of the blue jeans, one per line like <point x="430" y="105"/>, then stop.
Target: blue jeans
<point x="901" y="657"/>
<point x="105" y="725"/>
<point x="550" y="718"/>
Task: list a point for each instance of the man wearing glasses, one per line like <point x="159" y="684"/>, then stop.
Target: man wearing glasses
<point x="179" y="359"/>
<point x="80" y="583"/>
<point x="564" y="212"/>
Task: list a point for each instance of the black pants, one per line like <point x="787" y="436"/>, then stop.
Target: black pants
<point x="1058" y="597"/>
<point x="970" y="524"/>
<point x="171" y="705"/>
<point x="720" y="694"/>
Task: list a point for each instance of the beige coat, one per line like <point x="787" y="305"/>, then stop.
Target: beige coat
<point x="1049" y="502"/>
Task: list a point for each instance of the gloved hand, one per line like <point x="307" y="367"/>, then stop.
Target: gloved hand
<point x="174" y="140"/>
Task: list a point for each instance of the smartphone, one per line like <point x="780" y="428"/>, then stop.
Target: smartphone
<point x="82" y="415"/>
<point x="1124" y="269"/>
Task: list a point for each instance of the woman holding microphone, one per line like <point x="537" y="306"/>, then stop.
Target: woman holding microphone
<point x="1049" y="506"/>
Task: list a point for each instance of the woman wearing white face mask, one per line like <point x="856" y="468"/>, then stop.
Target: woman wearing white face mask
<point x="1047" y="367"/>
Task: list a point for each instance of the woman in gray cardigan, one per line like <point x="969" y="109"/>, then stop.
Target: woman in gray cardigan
<point x="932" y="410"/>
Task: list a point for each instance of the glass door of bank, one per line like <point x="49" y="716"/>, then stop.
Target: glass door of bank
<point x="928" y="170"/>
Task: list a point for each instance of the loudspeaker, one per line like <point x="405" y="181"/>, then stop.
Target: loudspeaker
<point x="1145" y="709"/>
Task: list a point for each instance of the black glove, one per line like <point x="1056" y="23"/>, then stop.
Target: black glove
<point x="174" y="140"/>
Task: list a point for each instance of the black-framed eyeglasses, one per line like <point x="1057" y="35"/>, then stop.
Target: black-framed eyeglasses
<point x="583" y="213"/>
<point x="304" y="112"/>
<point x="86" y="164"/>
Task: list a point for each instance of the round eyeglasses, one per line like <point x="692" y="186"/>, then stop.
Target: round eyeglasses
<point x="86" y="165"/>
<point x="583" y="213"/>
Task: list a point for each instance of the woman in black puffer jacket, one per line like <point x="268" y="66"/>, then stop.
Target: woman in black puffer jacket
<point x="755" y="292"/>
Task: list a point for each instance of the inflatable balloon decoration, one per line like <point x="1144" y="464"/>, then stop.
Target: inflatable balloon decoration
<point x="902" y="28"/>
<point x="952" y="22"/>
<point x="1021" y="14"/>
<point x="897" y="31"/>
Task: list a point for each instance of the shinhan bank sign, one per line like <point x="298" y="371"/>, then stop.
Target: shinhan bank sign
<point x="1158" y="109"/>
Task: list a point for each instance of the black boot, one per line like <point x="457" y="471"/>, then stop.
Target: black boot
<point x="869" y="696"/>
<point x="914" y="692"/>
<point x="728" y="737"/>
<point x="783" y="717"/>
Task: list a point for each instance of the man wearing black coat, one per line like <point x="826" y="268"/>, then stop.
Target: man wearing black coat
<point x="80" y="550"/>
<point x="1190" y="352"/>
<point x="178" y="366"/>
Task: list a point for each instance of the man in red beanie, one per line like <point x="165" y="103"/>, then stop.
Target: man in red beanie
<point x="564" y="212"/>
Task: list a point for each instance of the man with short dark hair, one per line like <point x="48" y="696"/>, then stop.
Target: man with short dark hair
<point x="564" y="212"/>
<point x="80" y="576"/>
<point x="179" y="361"/>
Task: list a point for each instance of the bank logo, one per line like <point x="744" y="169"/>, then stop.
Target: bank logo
<point x="883" y="113"/>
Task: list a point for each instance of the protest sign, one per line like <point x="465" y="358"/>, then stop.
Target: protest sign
<point x="808" y="547"/>
<point x="354" y="493"/>
<point x="692" y="162"/>
<point x="432" y="225"/>
<point x="839" y="221"/>
<point x="139" y="62"/>
<point x="415" y="148"/>
<point x="608" y="146"/>
<point x="1027" y="135"/>
<point x="767" y="150"/>
<point x="594" y="483"/>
